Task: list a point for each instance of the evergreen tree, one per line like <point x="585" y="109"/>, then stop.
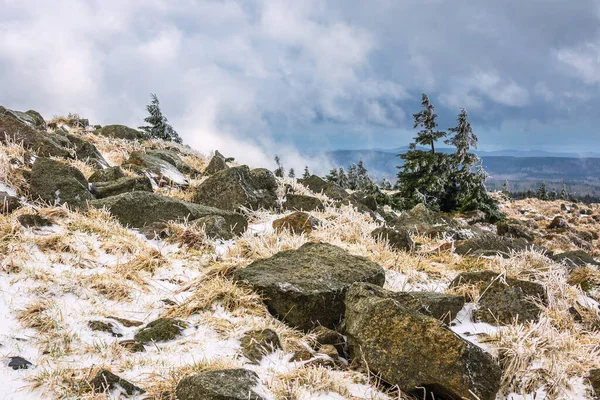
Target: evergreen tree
<point x="306" y="173"/>
<point x="279" y="171"/>
<point x="564" y="193"/>
<point x="505" y="187"/>
<point x="363" y="180"/>
<point x="352" y="177"/>
<point x="292" y="173"/>
<point x="158" y="127"/>
<point x="385" y="184"/>
<point x="553" y="195"/>
<point x="542" y="192"/>
<point x="332" y="176"/>
<point x="426" y="120"/>
<point x="342" y="178"/>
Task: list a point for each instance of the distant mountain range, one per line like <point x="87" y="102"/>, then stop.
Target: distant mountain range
<point x="523" y="169"/>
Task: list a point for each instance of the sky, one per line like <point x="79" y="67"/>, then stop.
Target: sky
<point x="255" y="78"/>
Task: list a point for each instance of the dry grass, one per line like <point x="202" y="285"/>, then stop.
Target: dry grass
<point x="11" y="165"/>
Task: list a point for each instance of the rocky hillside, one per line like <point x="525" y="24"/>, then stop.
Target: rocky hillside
<point x="145" y="269"/>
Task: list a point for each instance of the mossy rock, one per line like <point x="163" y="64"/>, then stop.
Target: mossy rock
<point x="503" y="300"/>
<point x="109" y="174"/>
<point x="298" y="223"/>
<point x="162" y="171"/>
<point x="173" y="158"/>
<point x="123" y="185"/>
<point x="398" y="239"/>
<point x="490" y="244"/>
<point x="215" y="227"/>
<point x="256" y="344"/>
<point x="105" y="381"/>
<point x="138" y="209"/>
<point x="306" y="287"/>
<point x="572" y="259"/>
<point x="56" y="182"/>
<point x="120" y="132"/>
<point x="82" y="149"/>
<point x="101" y="326"/>
<point x="217" y="163"/>
<point x="238" y="187"/>
<point x="43" y="144"/>
<point x="33" y="221"/>
<point x="39" y="121"/>
<point x="298" y="202"/>
<point x="161" y="330"/>
<point x="415" y="351"/>
<point x="229" y="384"/>
<point x="8" y="203"/>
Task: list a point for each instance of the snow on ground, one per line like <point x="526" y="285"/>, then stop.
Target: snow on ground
<point x="465" y="327"/>
<point x="7" y="189"/>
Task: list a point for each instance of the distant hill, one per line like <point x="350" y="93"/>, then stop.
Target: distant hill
<point x="580" y="174"/>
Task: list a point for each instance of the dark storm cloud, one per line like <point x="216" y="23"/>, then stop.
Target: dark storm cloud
<point x="258" y="77"/>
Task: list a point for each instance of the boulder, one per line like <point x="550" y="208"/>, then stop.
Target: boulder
<point x="399" y="239"/>
<point x="490" y="244"/>
<point x="414" y="351"/>
<point x="306" y="287"/>
<point x="514" y="229"/>
<point x="503" y="299"/>
<point x="238" y="187"/>
<point x="33" y="220"/>
<point x="329" y="189"/>
<point x="105" y="381"/>
<point x="228" y="384"/>
<point x="298" y="223"/>
<point x="215" y="227"/>
<point x="18" y="363"/>
<point x="217" y="163"/>
<point x="328" y="337"/>
<point x="138" y="209"/>
<point x="364" y="199"/>
<point x="173" y="158"/>
<point x="56" y="182"/>
<point x="8" y="203"/>
<point x="256" y="344"/>
<point x="558" y="222"/>
<point x="107" y="175"/>
<point x="38" y="121"/>
<point x="572" y="259"/>
<point x="298" y="202"/>
<point x="160" y="330"/>
<point x="120" y="132"/>
<point x="82" y="150"/>
<point x="123" y="185"/>
<point x="162" y="171"/>
<point x="444" y="307"/>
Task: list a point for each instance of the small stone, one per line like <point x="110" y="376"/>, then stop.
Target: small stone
<point x="132" y="346"/>
<point x="256" y="344"/>
<point x="558" y="223"/>
<point x="326" y="336"/>
<point x="18" y="363"/>
<point x="329" y="350"/>
<point x="398" y="239"/>
<point x="160" y="330"/>
<point x="298" y="223"/>
<point x="33" y="221"/>
<point x="101" y="326"/>
<point x="106" y="381"/>
<point x="301" y="355"/>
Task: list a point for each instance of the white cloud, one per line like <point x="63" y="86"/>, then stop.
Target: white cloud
<point x="584" y="60"/>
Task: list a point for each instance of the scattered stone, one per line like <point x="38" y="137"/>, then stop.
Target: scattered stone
<point x="330" y="351"/>
<point x="216" y="164"/>
<point x="128" y="323"/>
<point x="326" y="336"/>
<point x="298" y="202"/>
<point x="18" y="363"/>
<point x="578" y="258"/>
<point x="594" y="381"/>
<point x="82" y="149"/>
<point x="414" y="351"/>
<point x="513" y="229"/>
<point x="123" y="185"/>
<point x="298" y="223"/>
<point x="101" y="326"/>
<point x="399" y="239"/>
<point x="558" y="223"/>
<point x="132" y="346"/>
<point x="503" y="300"/>
<point x="105" y="381"/>
<point x="238" y="187"/>
<point x="490" y="244"/>
<point x="164" y="172"/>
<point x="160" y="330"/>
<point x="155" y="230"/>
<point x="228" y="384"/>
<point x="329" y="189"/>
<point x="306" y="287"/>
<point x="120" y="132"/>
<point x="172" y="157"/>
<point x="256" y="344"/>
<point x="56" y="182"/>
<point x="138" y="209"/>
<point x="109" y="174"/>
<point x="8" y="203"/>
<point x="366" y="200"/>
<point x="215" y="227"/>
<point x="301" y="355"/>
<point x="33" y="221"/>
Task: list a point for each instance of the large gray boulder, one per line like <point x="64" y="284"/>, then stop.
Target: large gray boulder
<point x="415" y="351"/>
<point x="56" y="182"/>
<point x="82" y="149"/>
<point x="490" y="244"/>
<point x="572" y="259"/>
<point x="228" y="384"/>
<point x="306" y="287"/>
<point x="173" y="157"/>
<point x="240" y="186"/>
<point x="107" y="175"/>
<point x="120" y="132"/>
<point x="137" y="209"/>
<point x="398" y="239"/>
<point x="162" y="171"/>
<point x="503" y="300"/>
<point x="298" y="202"/>
<point x="329" y="189"/>
<point x="124" y="185"/>
<point x="217" y="163"/>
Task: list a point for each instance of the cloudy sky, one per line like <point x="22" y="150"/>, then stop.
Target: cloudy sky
<point x="258" y="77"/>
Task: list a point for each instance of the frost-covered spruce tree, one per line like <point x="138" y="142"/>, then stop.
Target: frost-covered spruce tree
<point x="467" y="191"/>
<point x="279" y="171"/>
<point x="306" y="173"/>
<point x="423" y="177"/>
<point x="158" y="127"/>
<point x="542" y="192"/>
<point x="292" y="173"/>
<point x="352" y="177"/>
<point x="385" y="184"/>
<point x="553" y="194"/>
<point x="342" y="178"/>
<point x="564" y="193"/>
<point x="332" y="176"/>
